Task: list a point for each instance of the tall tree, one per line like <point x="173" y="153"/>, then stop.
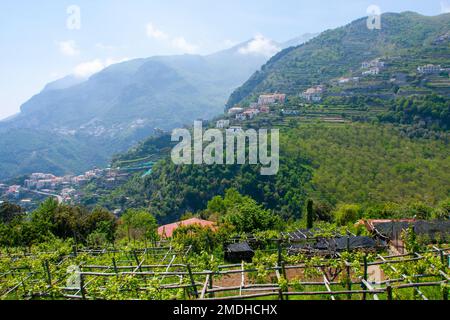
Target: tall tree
<point x="310" y="214"/>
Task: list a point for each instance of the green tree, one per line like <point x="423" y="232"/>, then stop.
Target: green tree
<point x="249" y="217"/>
<point x="42" y="219"/>
<point x="199" y="238"/>
<point x="347" y="213"/>
<point x="310" y="214"/>
<point x="140" y="224"/>
<point x="10" y="212"/>
<point x="101" y="221"/>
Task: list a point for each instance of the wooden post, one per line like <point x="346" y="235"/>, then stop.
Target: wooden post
<point x="115" y="266"/>
<point x="444" y="269"/>
<point x="82" y="289"/>
<point x="137" y="260"/>
<point x="389" y="291"/>
<point x="211" y="284"/>
<point x="47" y="270"/>
<point x="280" y="294"/>
<point x="280" y="258"/>
<point x="283" y="272"/>
<point x="365" y="276"/>
<point x="194" y="286"/>
<point x="349" y="282"/>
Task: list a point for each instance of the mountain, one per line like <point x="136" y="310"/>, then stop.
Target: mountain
<point x="330" y="163"/>
<point x="334" y="53"/>
<point x="73" y="124"/>
<point x="299" y="40"/>
<point x="337" y="151"/>
<point x="64" y="83"/>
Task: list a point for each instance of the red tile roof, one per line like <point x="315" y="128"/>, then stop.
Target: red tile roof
<point x="168" y="229"/>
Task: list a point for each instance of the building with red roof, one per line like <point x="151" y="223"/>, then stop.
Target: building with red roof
<point x="167" y="230"/>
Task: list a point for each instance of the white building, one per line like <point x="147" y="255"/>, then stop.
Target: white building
<point x="234" y="129"/>
<point x="222" y="124"/>
<point x="313" y="94"/>
<point x="267" y="99"/>
<point x="377" y="63"/>
<point x="430" y="69"/>
<point x="372" y="72"/>
<point x="235" y="110"/>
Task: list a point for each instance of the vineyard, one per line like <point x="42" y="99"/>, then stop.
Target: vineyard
<point x="61" y="271"/>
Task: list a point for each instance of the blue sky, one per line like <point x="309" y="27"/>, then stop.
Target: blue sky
<point x="37" y="46"/>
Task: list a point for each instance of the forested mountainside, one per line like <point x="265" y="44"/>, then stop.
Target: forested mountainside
<point x="331" y="163"/>
<point x="380" y="139"/>
<point x="405" y="41"/>
<point x="79" y="124"/>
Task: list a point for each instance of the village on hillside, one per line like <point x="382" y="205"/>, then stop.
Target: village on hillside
<point x="380" y="78"/>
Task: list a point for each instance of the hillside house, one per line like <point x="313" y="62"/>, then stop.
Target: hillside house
<point x="222" y="124"/>
<point x="251" y="113"/>
<point x="247" y="114"/>
<point x="235" y="110"/>
<point x="430" y="69"/>
<point x="167" y="230"/>
<point x="313" y="94"/>
<point x="264" y="109"/>
<point x="268" y="99"/>
<point x="376" y="63"/>
<point x="372" y="72"/>
<point x="234" y="129"/>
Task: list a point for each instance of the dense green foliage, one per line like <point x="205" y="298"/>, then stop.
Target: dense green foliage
<point x="355" y="163"/>
<point x="139" y="224"/>
<point x="52" y="220"/>
<point x="371" y="164"/>
<point x="431" y="112"/>
<point x="70" y="129"/>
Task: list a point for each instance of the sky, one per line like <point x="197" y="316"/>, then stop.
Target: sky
<point x="42" y="41"/>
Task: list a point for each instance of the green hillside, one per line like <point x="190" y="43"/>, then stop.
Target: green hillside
<point x="332" y="163"/>
<point x="381" y="138"/>
<point x="81" y="124"/>
<point x="406" y="40"/>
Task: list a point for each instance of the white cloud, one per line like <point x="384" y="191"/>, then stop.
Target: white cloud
<point x="68" y="48"/>
<point x="181" y="44"/>
<point x="445" y="6"/>
<point x="88" y="68"/>
<point x="105" y="47"/>
<point x="155" y="33"/>
<point x="229" y="43"/>
<point x="260" y="46"/>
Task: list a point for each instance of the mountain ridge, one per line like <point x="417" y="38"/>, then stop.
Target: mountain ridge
<point x="287" y="72"/>
<point x="119" y="106"/>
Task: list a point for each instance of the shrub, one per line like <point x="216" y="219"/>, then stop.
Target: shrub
<point x="347" y="213"/>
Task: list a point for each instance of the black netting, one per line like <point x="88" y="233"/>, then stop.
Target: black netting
<point x="338" y="244"/>
<point x="431" y="229"/>
<point x="237" y="252"/>
<point x="239" y="247"/>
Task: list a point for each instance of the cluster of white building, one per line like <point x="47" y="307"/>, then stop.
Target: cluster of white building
<point x="262" y="106"/>
<point x="39" y="181"/>
<point x="373" y="67"/>
<point x="313" y="94"/>
<point x="431" y="69"/>
<point x="268" y="99"/>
